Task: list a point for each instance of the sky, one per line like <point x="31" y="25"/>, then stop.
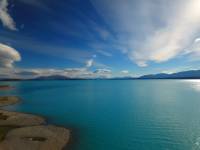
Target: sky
<point x="98" y="38"/>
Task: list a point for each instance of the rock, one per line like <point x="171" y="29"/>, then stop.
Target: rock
<point x="19" y="119"/>
<point x="36" y="138"/>
<point x="8" y="100"/>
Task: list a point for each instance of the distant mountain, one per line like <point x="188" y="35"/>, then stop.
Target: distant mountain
<point x="52" y="77"/>
<point x="192" y="74"/>
<point x="9" y="79"/>
<point x="122" y="78"/>
<point x="56" y="77"/>
<point x="155" y="76"/>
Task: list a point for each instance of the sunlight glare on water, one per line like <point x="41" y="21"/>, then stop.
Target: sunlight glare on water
<point x="195" y="84"/>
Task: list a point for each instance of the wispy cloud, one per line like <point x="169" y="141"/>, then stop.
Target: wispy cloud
<point x="8" y="56"/>
<point x="36" y="3"/>
<point x="103" y="33"/>
<point x="78" y="55"/>
<point x="5" y="17"/>
<point x="83" y="56"/>
<point x="152" y="30"/>
<point x="104" y="53"/>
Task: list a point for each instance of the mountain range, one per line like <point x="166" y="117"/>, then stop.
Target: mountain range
<point x="191" y="74"/>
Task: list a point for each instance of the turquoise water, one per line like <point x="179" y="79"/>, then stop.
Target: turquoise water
<point x="118" y="115"/>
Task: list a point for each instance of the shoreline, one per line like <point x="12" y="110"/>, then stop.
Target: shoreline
<point x="24" y="131"/>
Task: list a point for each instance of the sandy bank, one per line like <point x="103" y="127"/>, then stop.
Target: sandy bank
<point x="8" y="118"/>
<point x="36" y="138"/>
<point x="8" y="100"/>
<point x="20" y="131"/>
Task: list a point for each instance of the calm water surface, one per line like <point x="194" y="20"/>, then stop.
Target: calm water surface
<point x="118" y="115"/>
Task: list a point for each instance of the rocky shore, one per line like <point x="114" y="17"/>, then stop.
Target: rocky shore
<point x="20" y="131"/>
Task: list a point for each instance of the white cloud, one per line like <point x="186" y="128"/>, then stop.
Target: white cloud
<point x="152" y="30"/>
<point x="5" y="17"/>
<point x="89" y="63"/>
<point x="8" y="56"/>
<point x="124" y="71"/>
<point x="170" y="40"/>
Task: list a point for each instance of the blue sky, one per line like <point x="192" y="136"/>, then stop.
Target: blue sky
<point x="98" y="38"/>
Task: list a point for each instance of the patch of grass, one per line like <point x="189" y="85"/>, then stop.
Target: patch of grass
<point x="4" y="130"/>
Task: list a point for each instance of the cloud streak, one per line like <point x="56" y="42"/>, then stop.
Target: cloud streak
<point x="36" y="3"/>
<point x="104" y="53"/>
<point x="5" y="17"/>
<point x="61" y="51"/>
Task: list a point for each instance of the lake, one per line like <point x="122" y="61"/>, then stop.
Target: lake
<point x="117" y="114"/>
